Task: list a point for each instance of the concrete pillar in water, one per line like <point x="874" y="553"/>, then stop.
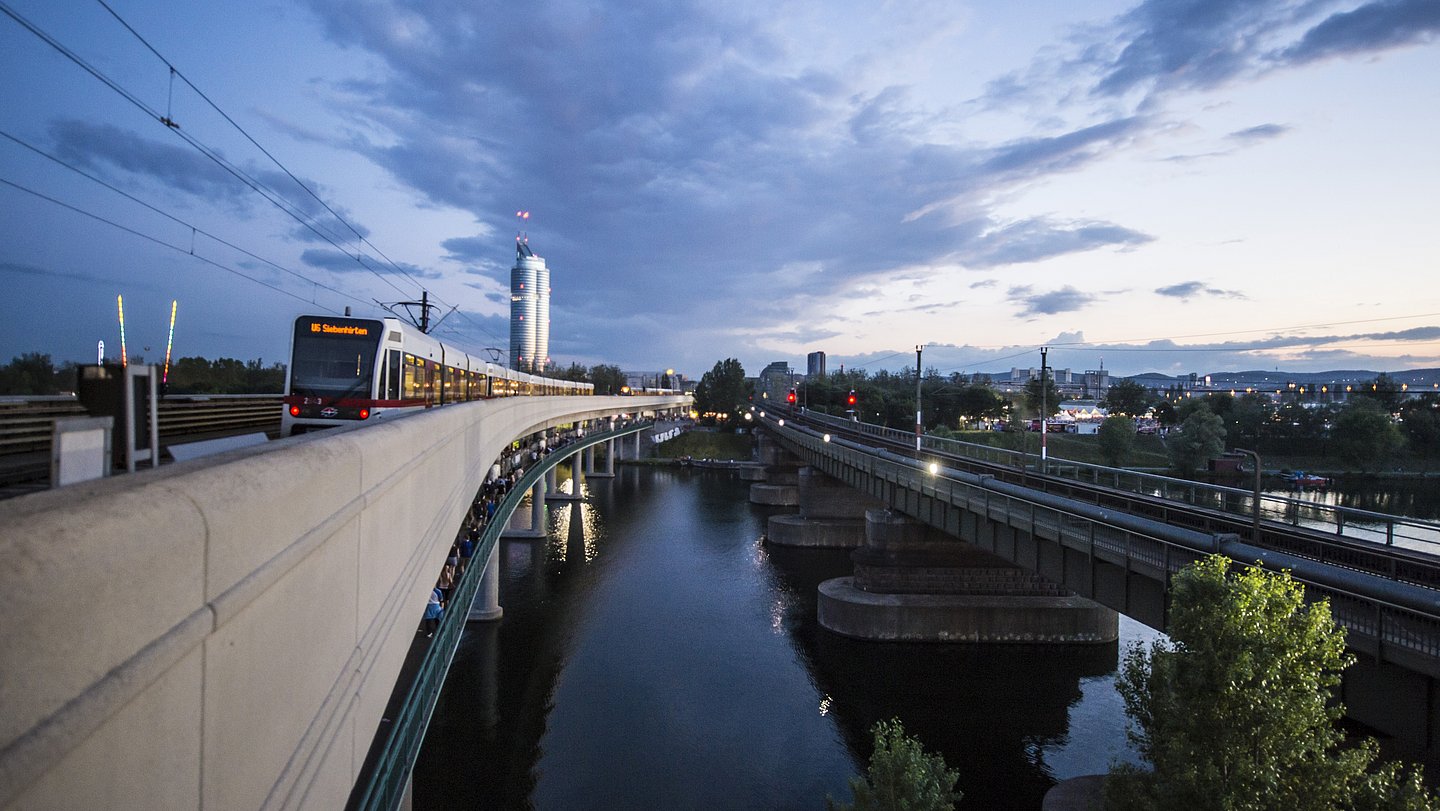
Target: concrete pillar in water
<point x="912" y="583"/>
<point x="575" y="491"/>
<point x="536" y="529"/>
<point x="552" y="481"/>
<point x="780" y="487"/>
<point x="831" y="514"/>
<point x="590" y="461"/>
<point x="486" y="606"/>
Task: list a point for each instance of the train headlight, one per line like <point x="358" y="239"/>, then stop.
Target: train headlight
<point x="294" y="410"/>
<point x="364" y="413"/>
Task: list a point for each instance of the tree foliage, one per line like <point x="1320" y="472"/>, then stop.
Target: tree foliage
<point x="1235" y="712"/>
<point x="722" y="392"/>
<point x="902" y="777"/>
<point x="1116" y="437"/>
<point x="196" y="375"/>
<point x="34" y="373"/>
<point x="1127" y="397"/>
<point x="1033" y="391"/>
<point x="1201" y="436"/>
<point x="1364" y="434"/>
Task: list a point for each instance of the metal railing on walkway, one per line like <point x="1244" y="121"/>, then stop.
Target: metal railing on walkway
<point x="381" y="787"/>
<point x="1349" y="522"/>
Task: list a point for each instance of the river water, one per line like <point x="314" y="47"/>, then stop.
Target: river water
<point x="654" y="655"/>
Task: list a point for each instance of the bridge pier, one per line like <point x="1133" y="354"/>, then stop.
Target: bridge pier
<point x="780" y="486"/>
<point x="486" y="606"/>
<point x="609" y="472"/>
<point x="575" y="493"/>
<point x="537" y="516"/>
<point x="911" y="584"/>
<point x="831" y="514"/>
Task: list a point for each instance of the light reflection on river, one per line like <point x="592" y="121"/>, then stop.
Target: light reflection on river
<point x="663" y="658"/>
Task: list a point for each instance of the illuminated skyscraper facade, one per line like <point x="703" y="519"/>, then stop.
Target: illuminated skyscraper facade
<point x="529" y="310"/>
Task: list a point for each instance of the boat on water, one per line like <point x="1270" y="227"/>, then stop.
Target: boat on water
<point x="1302" y="480"/>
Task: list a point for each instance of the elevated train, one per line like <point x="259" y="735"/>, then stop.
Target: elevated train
<point x="343" y="370"/>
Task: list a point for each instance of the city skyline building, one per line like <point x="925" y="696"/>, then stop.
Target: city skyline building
<point x="529" y="310"/>
<point x="814" y="365"/>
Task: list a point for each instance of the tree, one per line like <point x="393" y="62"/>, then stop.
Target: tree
<point x="1420" y="422"/>
<point x="1127" y="397"/>
<point x="1116" y="438"/>
<point x="1051" y="395"/>
<point x="30" y="373"/>
<point x="722" y="392"/>
<point x="901" y="776"/>
<point x="607" y="378"/>
<point x="1383" y="390"/>
<point x="978" y="402"/>
<point x="1200" y="437"/>
<point x="1364" y="434"/>
<point x="1235" y="711"/>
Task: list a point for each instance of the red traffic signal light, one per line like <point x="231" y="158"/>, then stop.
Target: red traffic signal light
<point x="790" y="398"/>
<point x="851" y="399"/>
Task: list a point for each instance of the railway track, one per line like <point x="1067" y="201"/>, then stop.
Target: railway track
<point x="27" y="425"/>
<point x="1204" y="508"/>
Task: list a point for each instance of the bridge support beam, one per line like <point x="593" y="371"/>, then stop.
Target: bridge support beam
<point x="780" y="486"/>
<point x="609" y="472"/>
<point x="576" y="493"/>
<point x="831" y="514"/>
<point x="537" y="516"/>
<point x="912" y="584"/>
<point x="486" y="607"/>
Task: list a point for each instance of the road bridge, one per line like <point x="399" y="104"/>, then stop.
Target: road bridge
<point x="1383" y="595"/>
<point x="226" y="632"/>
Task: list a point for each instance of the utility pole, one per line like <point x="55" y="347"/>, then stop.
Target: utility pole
<point x="425" y="311"/>
<point x="919" y="424"/>
<point x="1044" y="413"/>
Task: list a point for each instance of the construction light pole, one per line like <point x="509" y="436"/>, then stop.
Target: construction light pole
<point x="919" y="423"/>
<point x="1044" y="413"/>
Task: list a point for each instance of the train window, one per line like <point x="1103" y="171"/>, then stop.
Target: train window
<point x="392" y="375"/>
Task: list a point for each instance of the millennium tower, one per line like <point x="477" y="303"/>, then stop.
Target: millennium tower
<point x="529" y="310"/>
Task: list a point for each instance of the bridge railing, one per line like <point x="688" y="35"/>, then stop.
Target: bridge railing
<point x="382" y="787"/>
<point x="1349" y="522"/>
<point x="1393" y="621"/>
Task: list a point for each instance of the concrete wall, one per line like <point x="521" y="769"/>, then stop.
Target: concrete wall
<point x="224" y="633"/>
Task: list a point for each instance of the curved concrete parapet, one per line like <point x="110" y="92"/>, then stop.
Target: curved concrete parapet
<point x="225" y="632"/>
<point x="775" y="495"/>
<point x="832" y="533"/>
<point x="851" y="612"/>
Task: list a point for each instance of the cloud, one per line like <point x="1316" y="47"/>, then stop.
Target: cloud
<point x="1261" y="132"/>
<point x="1040" y="238"/>
<point x="1188" y="290"/>
<point x="1066" y="299"/>
<point x="339" y="262"/>
<point x="1371" y="27"/>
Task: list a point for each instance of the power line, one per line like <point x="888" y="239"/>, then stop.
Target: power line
<point x="193" y="228"/>
<point x="273" y="197"/>
<point x="155" y="240"/>
<point x="177" y="72"/>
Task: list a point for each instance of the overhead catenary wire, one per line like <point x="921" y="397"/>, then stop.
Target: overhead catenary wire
<point x="156" y="240"/>
<point x="273" y="196"/>
<point x="193" y="228"/>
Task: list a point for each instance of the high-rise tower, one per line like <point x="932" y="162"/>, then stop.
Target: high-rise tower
<point x="529" y="310"/>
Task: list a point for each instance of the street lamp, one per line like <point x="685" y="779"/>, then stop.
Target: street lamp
<point x="1255" y="531"/>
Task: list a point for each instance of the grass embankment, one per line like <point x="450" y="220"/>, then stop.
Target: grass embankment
<point x="701" y="444"/>
<point x="1147" y="453"/>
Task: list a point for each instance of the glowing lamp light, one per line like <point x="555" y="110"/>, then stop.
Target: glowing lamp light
<point x="934" y="468"/>
<point x="762" y="413"/>
<point x="364" y="413"/>
<point x="294" y="411"/>
<point x="781" y="423"/>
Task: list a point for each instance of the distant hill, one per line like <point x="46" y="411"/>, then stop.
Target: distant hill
<point x="1258" y="377"/>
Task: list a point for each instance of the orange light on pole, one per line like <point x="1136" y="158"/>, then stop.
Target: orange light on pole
<point x="170" y="341"/>
<point x="120" y="303"/>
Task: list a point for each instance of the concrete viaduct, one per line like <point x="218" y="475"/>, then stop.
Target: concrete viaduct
<point x="1124" y="562"/>
<point x="226" y="632"/>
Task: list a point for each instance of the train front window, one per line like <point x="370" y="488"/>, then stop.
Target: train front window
<point x="334" y="357"/>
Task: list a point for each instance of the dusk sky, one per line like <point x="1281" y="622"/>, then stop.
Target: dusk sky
<point x="1174" y="186"/>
